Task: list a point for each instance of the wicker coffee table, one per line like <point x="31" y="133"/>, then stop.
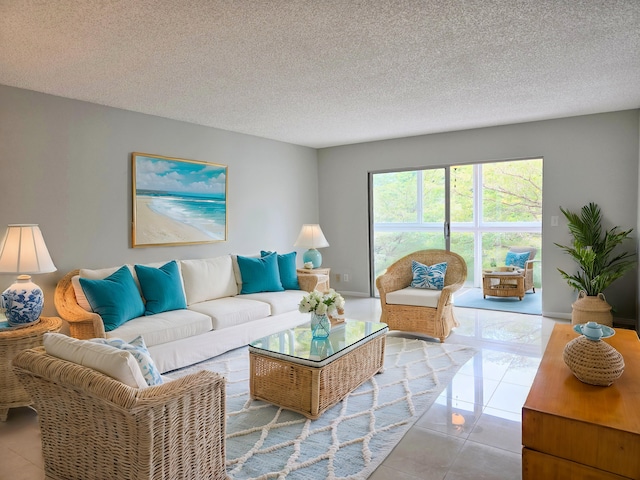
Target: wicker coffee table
<point x="296" y="372"/>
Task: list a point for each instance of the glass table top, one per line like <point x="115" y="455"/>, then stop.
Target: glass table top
<point x="297" y="345"/>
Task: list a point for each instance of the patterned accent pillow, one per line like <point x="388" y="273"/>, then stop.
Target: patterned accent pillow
<point x="516" y="259"/>
<point x="428" y="276"/>
<point x="139" y="351"/>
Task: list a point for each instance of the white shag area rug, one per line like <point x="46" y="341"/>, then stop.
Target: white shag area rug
<point x="351" y="439"/>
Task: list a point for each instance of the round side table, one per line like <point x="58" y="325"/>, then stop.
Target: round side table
<point x="11" y="342"/>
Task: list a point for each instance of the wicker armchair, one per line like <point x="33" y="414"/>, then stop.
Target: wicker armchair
<point x="95" y="428"/>
<point x="434" y="322"/>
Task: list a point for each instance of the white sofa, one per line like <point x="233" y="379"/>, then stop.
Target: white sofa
<point x="217" y="317"/>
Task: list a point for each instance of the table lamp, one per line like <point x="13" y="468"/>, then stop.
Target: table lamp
<point x="24" y="252"/>
<point x="311" y="237"/>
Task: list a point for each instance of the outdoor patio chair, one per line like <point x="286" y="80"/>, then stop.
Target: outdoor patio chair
<point x="515" y="278"/>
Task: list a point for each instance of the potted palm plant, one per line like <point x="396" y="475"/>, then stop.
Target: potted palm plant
<point x="599" y="261"/>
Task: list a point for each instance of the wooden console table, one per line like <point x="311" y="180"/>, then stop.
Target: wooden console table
<point x="571" y="430"/>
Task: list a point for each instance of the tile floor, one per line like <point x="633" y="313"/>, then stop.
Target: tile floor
<point x="471" y="432"/>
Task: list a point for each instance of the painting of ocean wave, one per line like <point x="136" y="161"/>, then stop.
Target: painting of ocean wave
<point x="178" y="201"/>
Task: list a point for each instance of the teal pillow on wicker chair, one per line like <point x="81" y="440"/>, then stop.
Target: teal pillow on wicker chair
<point x="516" y="259"/>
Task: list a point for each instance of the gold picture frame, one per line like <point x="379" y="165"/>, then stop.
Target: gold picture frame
<point x="177" y="201"/>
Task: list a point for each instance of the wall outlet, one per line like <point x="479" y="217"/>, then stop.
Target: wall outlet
<point x="345" y="277"/>
<point x="554" y="220"/>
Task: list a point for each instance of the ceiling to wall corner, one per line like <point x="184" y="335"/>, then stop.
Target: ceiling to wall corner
<point x="330" y="72"/>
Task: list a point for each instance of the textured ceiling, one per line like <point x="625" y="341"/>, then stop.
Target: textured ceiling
<point x="330" y="72"/>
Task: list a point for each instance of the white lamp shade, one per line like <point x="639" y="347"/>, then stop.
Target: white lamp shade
<point x="311" y="236"/>
<point x="23" y="251"/>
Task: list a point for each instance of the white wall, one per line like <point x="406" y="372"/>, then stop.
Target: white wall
<point x="588" y="158"/>
<point x="66" y="165"/>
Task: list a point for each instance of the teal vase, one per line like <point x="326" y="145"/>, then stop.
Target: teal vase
<point x="320" y="326"/>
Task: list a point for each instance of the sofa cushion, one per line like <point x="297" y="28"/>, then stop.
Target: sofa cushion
<point x="280" y="302"/>
<point x="286" y="269"/>
<point x="138" y="349"/>
<point x="230" y="311"/>
<point x="417" y="297"/>
<point x="428" y="276"/>
<point x="163" y="327"/>
<point x="161" y="288"/>
<point x="260" y="274"/>
<point x="117" y="364"/>
<point x="116" y="298"/>
<point x="208" y="279"/>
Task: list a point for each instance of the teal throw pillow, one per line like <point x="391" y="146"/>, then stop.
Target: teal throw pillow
<point x="161" y="288"/>
<point x="287" y="269"/>
<point x="260" y="274"/>
<point x="116" y="298"/>
<point x="428" y="276"/>
<point x="139" y="351"/>
<point x="516" y="259"/>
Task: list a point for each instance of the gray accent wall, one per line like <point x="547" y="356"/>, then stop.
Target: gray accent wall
<point x="66" y="165"/>
<point x="590" y="158"/>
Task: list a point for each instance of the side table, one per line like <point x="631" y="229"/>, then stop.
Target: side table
<point x="323" y="286"/>
<point x="11" y="342"/>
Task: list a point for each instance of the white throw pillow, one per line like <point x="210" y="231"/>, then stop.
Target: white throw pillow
<point x="117" y="364"/>
<point x="139" y="350"/>
<point x="81" y="298"/>
<point x="208" y="279"/>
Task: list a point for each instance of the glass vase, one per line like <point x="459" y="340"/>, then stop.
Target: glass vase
<point x="320" y="326"/>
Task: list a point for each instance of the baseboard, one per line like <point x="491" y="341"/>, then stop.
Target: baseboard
<point x="560" y="315"/>
<point x="617" y="321"/>
<point x="353" y="294"/>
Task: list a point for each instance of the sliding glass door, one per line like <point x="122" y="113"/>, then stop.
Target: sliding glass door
<point x="478" y="211"/>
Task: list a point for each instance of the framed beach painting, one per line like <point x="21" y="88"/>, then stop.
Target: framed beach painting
<point x="177" y="201"/>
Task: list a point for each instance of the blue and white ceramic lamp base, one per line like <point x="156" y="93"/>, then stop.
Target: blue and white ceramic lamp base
<point x="23" y="302"/>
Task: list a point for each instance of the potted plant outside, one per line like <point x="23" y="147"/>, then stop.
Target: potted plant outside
<point x="599" y="261"/>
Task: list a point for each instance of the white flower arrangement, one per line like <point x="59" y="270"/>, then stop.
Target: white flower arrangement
<point x="321" y="303"/>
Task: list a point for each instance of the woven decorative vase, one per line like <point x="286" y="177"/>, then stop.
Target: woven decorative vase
<point x="591" y="309"/>
<point x="593" y="361"/>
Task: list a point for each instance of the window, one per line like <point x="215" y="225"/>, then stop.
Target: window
<point x="478" y="211"/>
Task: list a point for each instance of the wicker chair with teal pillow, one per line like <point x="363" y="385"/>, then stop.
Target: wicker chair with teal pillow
<point x="415" y="298"/>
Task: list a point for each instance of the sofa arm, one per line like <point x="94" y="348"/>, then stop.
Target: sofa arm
<point x="82" y="324"/>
